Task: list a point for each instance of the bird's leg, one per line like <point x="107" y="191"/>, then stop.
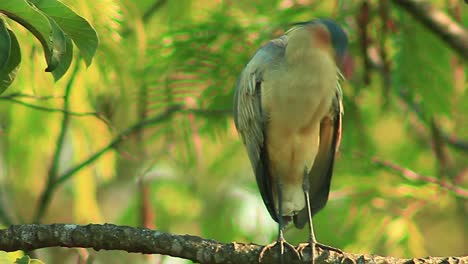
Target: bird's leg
<point x="280" y="240"/>
<point x="312" y="240"/>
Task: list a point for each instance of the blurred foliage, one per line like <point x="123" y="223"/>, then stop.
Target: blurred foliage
<point x="189" y="173"/>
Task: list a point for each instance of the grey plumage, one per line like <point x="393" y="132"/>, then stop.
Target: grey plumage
<point x="252" y="121"/>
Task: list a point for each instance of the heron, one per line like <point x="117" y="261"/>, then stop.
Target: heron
<point x="288" y="111"/>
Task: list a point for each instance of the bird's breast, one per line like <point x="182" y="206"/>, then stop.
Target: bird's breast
<point x="297" y="95"/>
<point x="295" y="100"/>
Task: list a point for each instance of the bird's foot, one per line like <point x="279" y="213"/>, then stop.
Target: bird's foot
<point x="300" y="248"/>
<point x="282" y="244"/>
<point x="330" y="248"/>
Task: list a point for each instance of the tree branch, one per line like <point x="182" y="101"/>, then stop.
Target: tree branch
<point x="197" y="249"/>
<point x="412" y="175"/>
<point x="441" y="24"/>
<point x="455" y="141"/>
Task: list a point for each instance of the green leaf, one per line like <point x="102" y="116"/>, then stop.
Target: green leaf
<point x="9" y="257"/>
<point x="27" y="260"/>
<point x="32" y="19"/>
<point x="9" y="70"/>
<point x="65" y="50"/>
<point x="5" y="44"/>
<point x="83" y="34"/>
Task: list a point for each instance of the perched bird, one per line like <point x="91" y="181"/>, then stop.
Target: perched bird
<point x="288" y="111"/>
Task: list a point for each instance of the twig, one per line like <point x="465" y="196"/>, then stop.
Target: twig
<point x="53" y="169"/>
<point x="383" y="35"/>
<point x="146" y="123"/>
<point x="208" y="112"/>
<point x="440" y="150"/>
<point x="153" y="8"/>
<point x="451" y="140"/>
<point x="48" y="109"/>
<point x="455" y="142"/>
<point x="411" y="175"/>
<point x="146" y="214"/>
<point x="437" y="21"/>
<point x="363" y="19"/>
<point x="146" y="16"/>
<point x="22" y="95"/>
<point x="52" y="110"/>
<point x="412" y="208"/>
<point x="197" y="249"/>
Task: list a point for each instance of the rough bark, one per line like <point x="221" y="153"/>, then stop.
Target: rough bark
<point x="197" y="249"/>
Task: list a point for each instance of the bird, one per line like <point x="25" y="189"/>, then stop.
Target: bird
<point x="288" y="111"/>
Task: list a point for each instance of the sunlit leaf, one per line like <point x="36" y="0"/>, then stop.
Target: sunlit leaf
<point x="83" y="34"/>
<point x="27" y="260"/>
<point x="10" y="68"/>
<point x="5" y="43"/>
<point x="64" y="50"/>
<point x="37" y="23"/>
<point x="9" y="257"/>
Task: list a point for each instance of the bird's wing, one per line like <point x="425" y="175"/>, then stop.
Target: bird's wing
<point x="321" y="173"/>
<point x="250" y="119"/>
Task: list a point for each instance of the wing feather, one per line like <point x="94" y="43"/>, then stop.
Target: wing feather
<point x="251" y="120"/>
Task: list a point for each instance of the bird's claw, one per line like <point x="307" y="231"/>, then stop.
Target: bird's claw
<point x="302" y="246"/>
<point x="330" y="248"/>
<point x="282" y="243"/>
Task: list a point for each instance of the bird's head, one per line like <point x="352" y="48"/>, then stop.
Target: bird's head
<point x="323" y="34"/>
